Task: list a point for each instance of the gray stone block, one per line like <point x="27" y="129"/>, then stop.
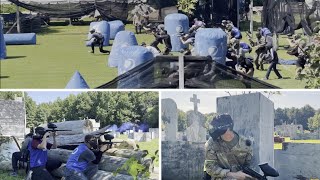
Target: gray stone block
<point x="298" y="160"/>
<point x="12" y="118"/>
<point x="253" y="116"/>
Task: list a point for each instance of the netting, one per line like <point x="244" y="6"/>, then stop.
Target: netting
<point x="199" y="72"/>
<point x="215" y="11"/>
<point x="108" y="9"/>
<point x="285" y="16"/>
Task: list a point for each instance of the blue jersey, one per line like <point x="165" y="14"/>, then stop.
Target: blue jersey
<point x="244" y="45"/>
<point x="265" y="32"/>
<point x="73" y="161"/>
<point x="38" y="157"/>
<point x="236" y="33"/>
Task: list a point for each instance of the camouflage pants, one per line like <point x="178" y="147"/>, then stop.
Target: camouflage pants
<point x="258" y="61"/>
<point x="298" y="72"/>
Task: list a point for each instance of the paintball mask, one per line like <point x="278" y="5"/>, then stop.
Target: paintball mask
<point x="40" y="131"/>
<point x="219" y="125"/>
<point x="92" y="141"/>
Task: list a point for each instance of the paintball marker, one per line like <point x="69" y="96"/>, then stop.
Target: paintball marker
<point x="50" y="128"/>
<point x="53" y="128"/>
<point x="249" y="35"/>
<point x="106" y="139"/>
<point x="266" y="169"/>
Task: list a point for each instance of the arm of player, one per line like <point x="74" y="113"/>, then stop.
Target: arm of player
<point x="43" y="144"/>
<point x="211" y="163"/>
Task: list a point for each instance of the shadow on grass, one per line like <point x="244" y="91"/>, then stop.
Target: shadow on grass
<point x="47" y="30"/>
<point x="4" y="77"/>
<point x="15" y="57"/>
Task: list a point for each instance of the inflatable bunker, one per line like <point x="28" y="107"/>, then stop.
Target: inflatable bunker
<point x="20" y="39"/>
<point x="102" y="27"/>
<point x="212" y="42"/>
<point x="122" y="39"/>
<point x="175" y="24"/>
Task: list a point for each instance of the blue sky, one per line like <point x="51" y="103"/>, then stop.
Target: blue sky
<point x="49" y="96"/>
<point x="208" y="99"/>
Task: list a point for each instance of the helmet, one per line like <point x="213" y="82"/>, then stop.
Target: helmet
<point x="40" y="130"/>
<point x="219" y="125"/>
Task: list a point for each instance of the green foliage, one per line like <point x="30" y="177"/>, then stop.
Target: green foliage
<point x="182" y="120"/>
<point x="10" y="8"/>
<point x="134" y="168"/>
<point x="314" y="122"/>
<point x="294" y="116"/>
<point x="10" y="95"/>
<point x="187" y="6"/>
<point x="313" y="71"/>
<point x="107" y="107"/>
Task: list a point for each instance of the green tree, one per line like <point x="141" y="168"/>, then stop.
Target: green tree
<point x="182" y="120"/>
<point x="187" y="6"/>
<point x="10" y="95"/>
<point x="314" y="122"/>
<point x="31" y="109"/>
<point x="313" y="71"/>
<point x="280" y="117"/>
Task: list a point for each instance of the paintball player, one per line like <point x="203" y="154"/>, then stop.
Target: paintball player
<point x="264" y="31"/>
<point x="22" y="155"/>
<point x="98" y="39"/>
<point x="154" y="51"/>
<point x="83" y="162"/>
<point x="226" y="151"/>
<point x="162" y="37"/>
<point x="298" y="48"/>
<point x="233" y="32"/>
<point x="261" y="53"/>
<point x="40" y="165"/>
<point x="197" y="24"/>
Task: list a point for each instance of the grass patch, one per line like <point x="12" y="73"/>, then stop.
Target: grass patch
<point x="61" y="50"/>
<point x="4" y="175"/>
<point x="288" y="140"/>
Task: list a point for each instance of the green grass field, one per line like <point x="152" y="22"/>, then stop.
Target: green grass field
<point x="60" y="51"/>
<point x="312" y="141"/>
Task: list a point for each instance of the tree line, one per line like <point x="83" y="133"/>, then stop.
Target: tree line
<point x="107" y="107"/>
<point x="307" y="116"/>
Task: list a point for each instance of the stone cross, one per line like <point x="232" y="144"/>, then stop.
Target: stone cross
<point x="195" y="102"/>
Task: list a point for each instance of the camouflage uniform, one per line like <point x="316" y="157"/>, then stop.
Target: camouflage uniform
<point x="302" y="45"/>
<point x="221" y="158"/>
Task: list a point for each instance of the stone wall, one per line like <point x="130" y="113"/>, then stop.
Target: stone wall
<point x="253" y="116"/>
<point x="12" y="118"/>
<point x="182" y="160"/>
<point x="298" y="160"/>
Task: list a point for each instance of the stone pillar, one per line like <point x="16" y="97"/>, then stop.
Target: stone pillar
<point x="253" y="116"/>
<point x="169" y="116"/>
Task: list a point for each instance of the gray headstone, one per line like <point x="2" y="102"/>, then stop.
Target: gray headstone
<point x="148" y="136"/>
<point x="170" y="118"/>
<point x="12" y="118"/>
<point x="154" y="133"/>
<point x="131" y="135"/>
<point x="253" y="116"/>
<point x="182" y="160"/>
<point x="140" y="137"/>
<point x="196" y="132"/>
